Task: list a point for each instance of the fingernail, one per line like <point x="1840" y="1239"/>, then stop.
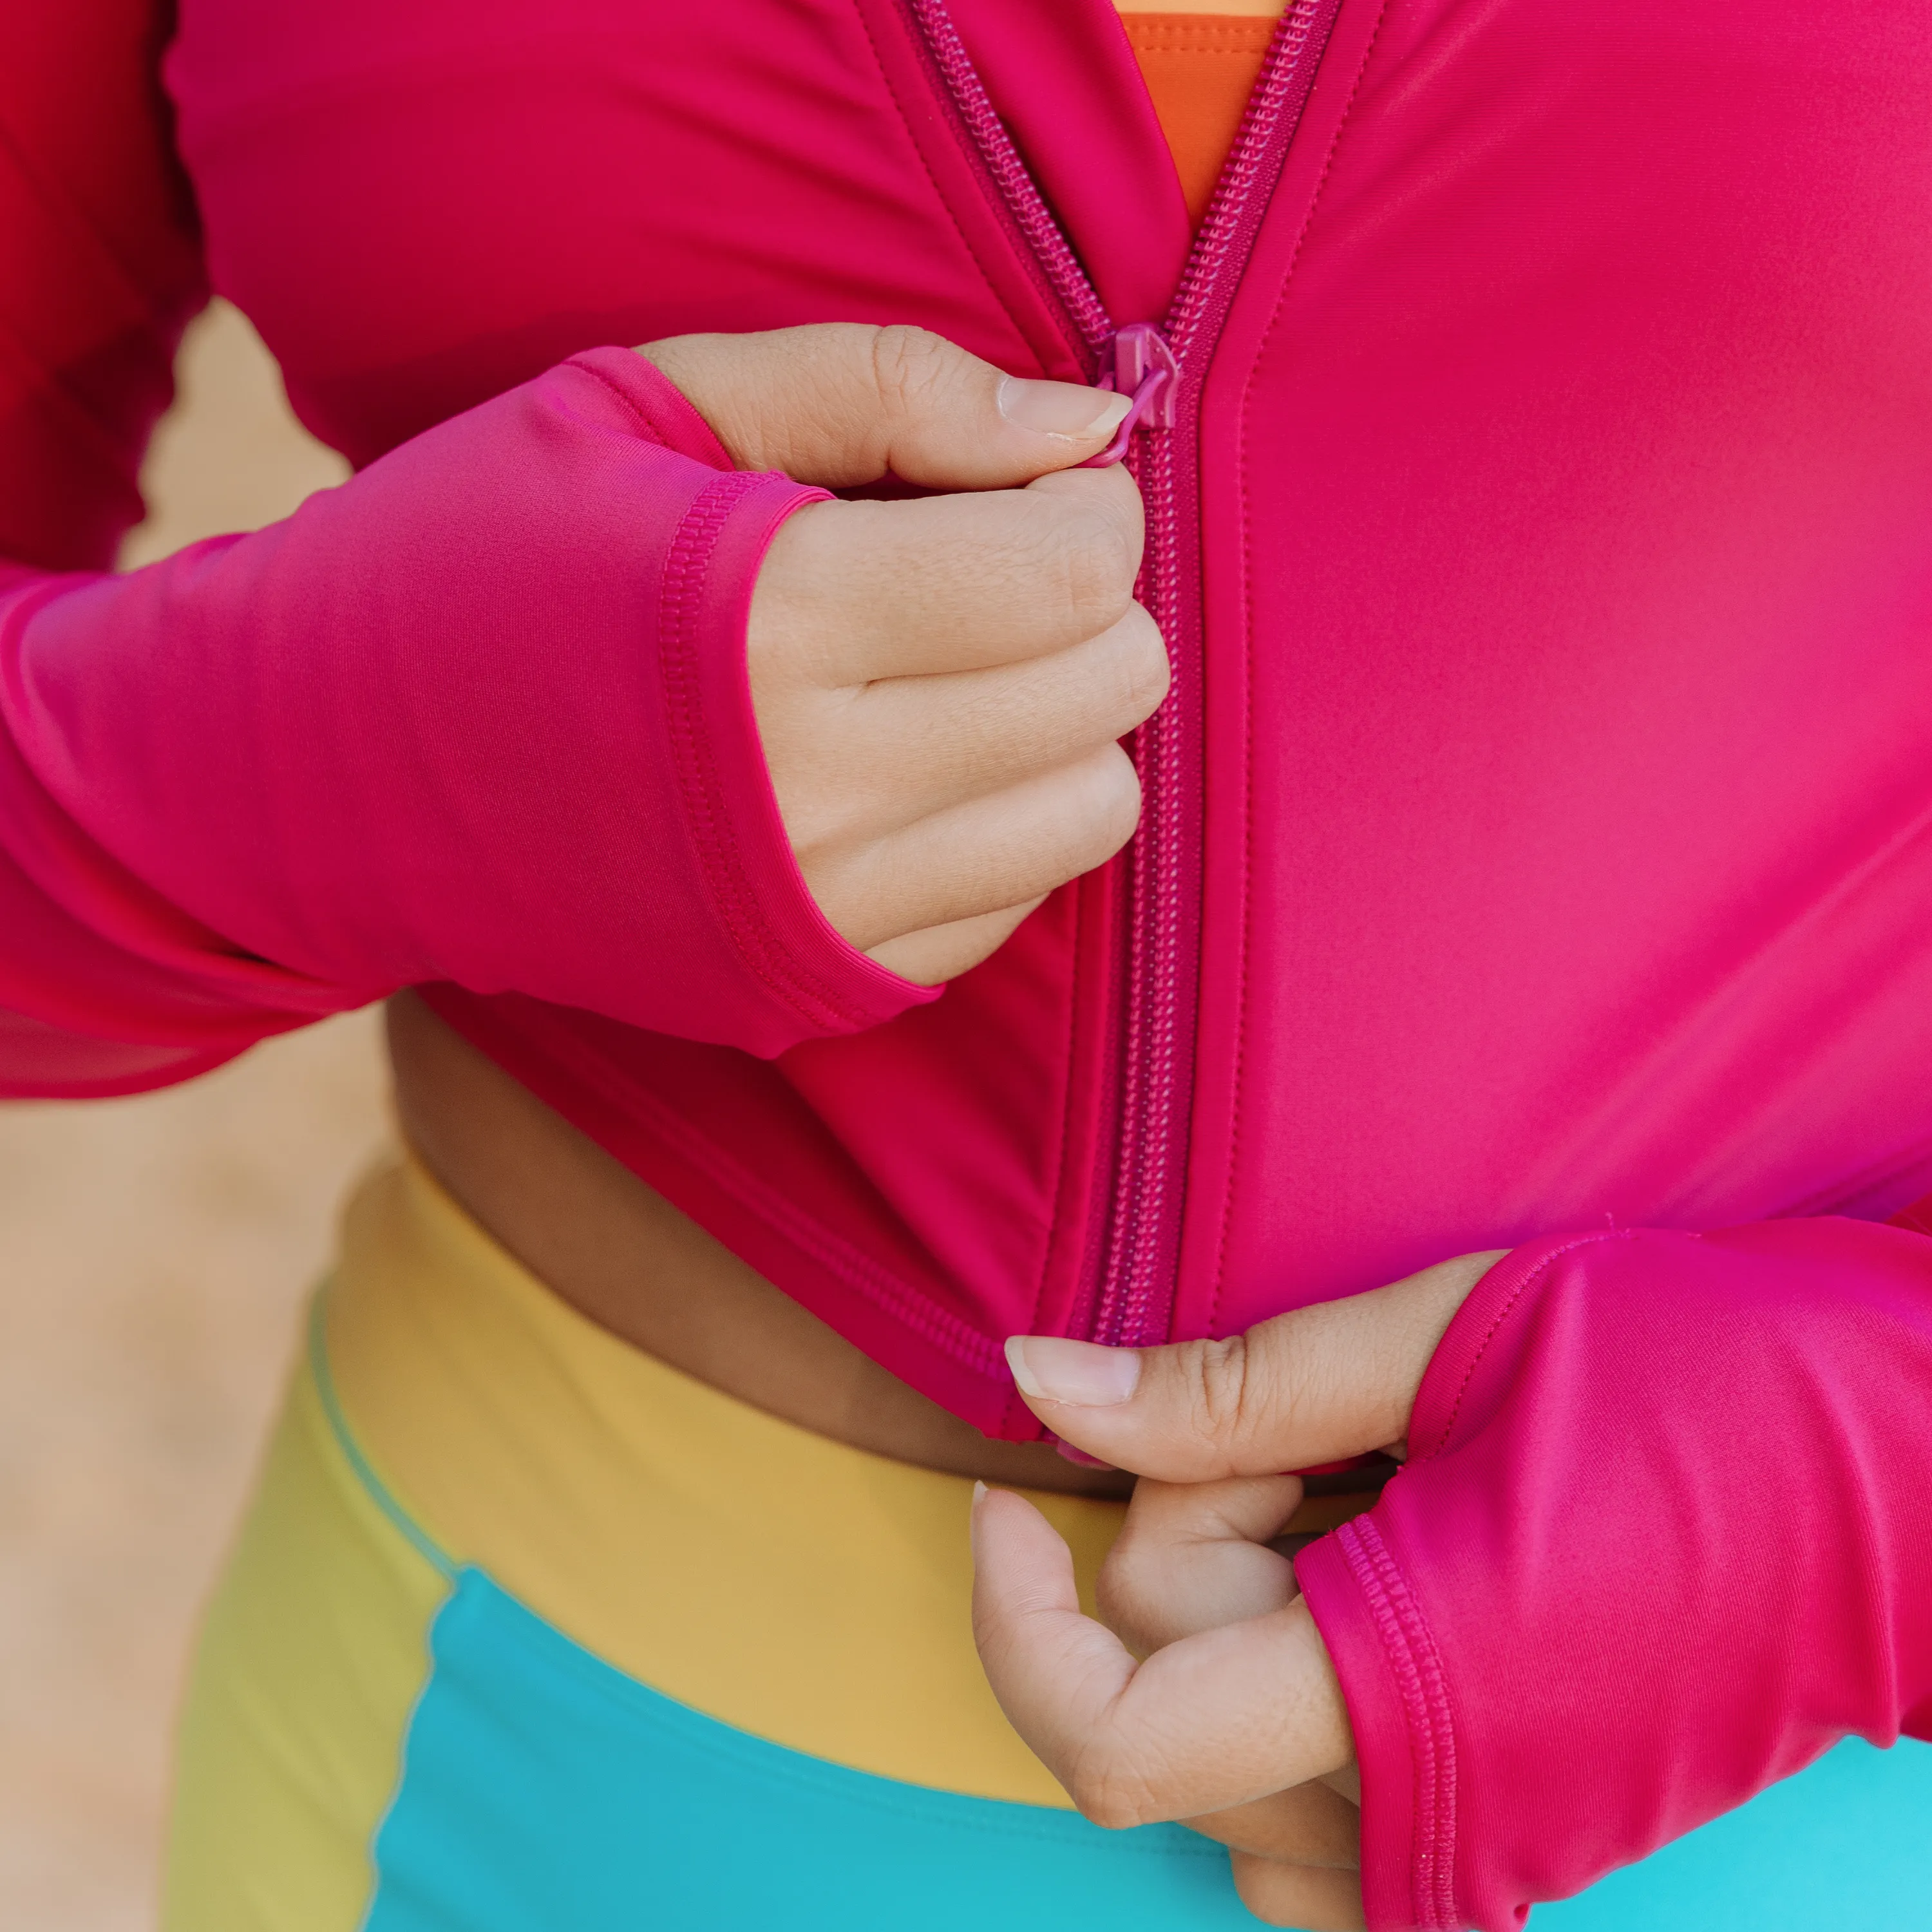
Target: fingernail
<point x="979" y="1494"/>
<point x="1057" y="1370"/>
<point x="1062" y="408"/>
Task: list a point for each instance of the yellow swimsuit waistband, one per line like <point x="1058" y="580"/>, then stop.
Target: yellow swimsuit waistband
<point x="809" y="1592"/>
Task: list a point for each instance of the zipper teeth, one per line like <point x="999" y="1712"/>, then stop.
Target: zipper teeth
<point x="1148" y="1170"/>
<point x="1023" y="198"/>
<point x="1151" y="1035"/>
<point x="1147" y="1047"/>
<point x="1224" y="223"/>
<point x="1151" y="1163"/>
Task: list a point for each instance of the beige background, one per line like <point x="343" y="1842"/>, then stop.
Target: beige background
<point x="154" y="1253"/>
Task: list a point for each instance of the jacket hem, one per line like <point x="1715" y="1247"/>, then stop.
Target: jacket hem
<point x="888" y="1315"/>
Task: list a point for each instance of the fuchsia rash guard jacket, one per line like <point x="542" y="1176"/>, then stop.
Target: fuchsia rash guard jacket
<point x="1536" y="852"/>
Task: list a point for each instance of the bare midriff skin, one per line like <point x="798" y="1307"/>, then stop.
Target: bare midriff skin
<point x="621" y="1254"/>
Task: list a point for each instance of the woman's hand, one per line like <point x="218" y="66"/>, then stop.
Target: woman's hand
<point x="940" y="683"/>
<point x="1234" y="1721"/>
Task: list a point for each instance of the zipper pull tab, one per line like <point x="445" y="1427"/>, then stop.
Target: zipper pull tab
<point x="1144" y="366"/>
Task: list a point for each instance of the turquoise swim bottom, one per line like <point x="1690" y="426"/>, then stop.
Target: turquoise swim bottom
<point x="545" y="1790"/>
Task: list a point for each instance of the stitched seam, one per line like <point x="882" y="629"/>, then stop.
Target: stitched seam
<point x="907" y="1303"/>
<point x="1244" y="986"/>
<point x="1015" y="1412"/>
<point x="683" y="586"/>
<point x="632" y="409"/>
<point x="1078" y="1023"/>
<point x="691" y="550"/>
<point x="1314" y="204"/>
<point x="1187" y="37"/>
<point x="646" y="419"/>
<point x="378" y="1491"/>
<point x="376" y="1853"/>
<point x="685" y="565"/>
<point x="1496" y="1321"/>
<point x="1028" y="269"/>
<point x="1412" y="1654"/>
<point x="1236" y="1117"/>
<point x="1063" y="1127"/>
<point x="944" y="1329"/>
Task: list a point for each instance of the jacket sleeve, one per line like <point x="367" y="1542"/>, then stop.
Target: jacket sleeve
<point x="1664" y="1535"/>
<point x="480" y="715"/>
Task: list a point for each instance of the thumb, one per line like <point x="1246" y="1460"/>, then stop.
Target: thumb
<point x="838" y="403"/>
<point x="1312" y="1386"/>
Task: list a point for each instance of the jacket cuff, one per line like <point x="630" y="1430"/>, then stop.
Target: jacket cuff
<point x="1398" y="1707"/>
<point x="759" y="893"/>
<point x="816" y="983"/>
<point x="1391" y="1671"/>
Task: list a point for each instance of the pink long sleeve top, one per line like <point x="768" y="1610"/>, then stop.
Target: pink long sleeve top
<point x="1535" y="848"/>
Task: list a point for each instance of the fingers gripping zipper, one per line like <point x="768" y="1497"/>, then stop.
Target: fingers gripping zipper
<point x="1162" y="368"/>
<point x="1142" y="367"/>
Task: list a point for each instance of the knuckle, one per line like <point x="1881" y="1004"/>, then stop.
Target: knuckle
<point x="1110" y="808"/>
<point x="1122" y="805"/>
<point x="1094" y="563"/>
<point x="1107" y="1792"/>
<point x="1086" y="815"/>
<point x="1120" y="1589"/>
<point x="1257" y="1884"/>
<point x="908" y="365"/>
<point x="1229" y="1393"/>
<point x="1143" y="670"/>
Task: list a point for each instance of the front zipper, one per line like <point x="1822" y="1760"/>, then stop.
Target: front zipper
<point x="1133" y="1297"/>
